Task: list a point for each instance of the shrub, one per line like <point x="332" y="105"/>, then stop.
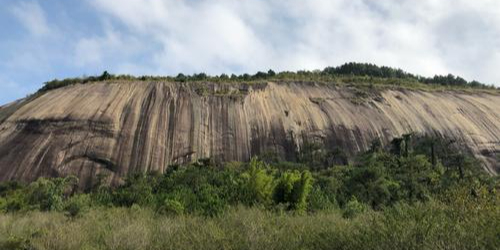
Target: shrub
<point x="136" y="190"/>
<point x="319" y="200"/>
<point x="48" y="194"/>
<point x="171" y="207"/>
<point x="353" y="208"/>
<point x="135" y="208"/>
<point x="102" y="196"/>
<point x="105" y="76"/>
<point x="293" y="189"/>
<point x="209" y="201"/>
<point x="16" y="243"/>
<point x="3" y="203"/>
<point x="284" y="187"/>
<point x="77" y="204"/>
<point x="15" y="201"/>
<point x="8" y="187"/>
<point x="371" y="186"/>
<point x="258" y="183"/>
<point x="185" y="196"/>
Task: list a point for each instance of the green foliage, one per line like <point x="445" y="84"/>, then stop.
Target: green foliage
<point x="210" y="203"/>
<point x="450" y="80"/>
<point x="138" y="189"/>
<point x="15" y="201"/>
<point x="201" y="188"/>
<point x="45" y="194"/>
<point x="258" y="183"/>
<point x="77" y="204"/>
<point x="9" y="187"/>
<point x="292" y="189"/>
<point x="3" y="203"/>
<point x="102" y="195"/>
<point x="367" y="69"/>
<point x="136" y="208"/>
<point x="203" y="200"/>
<point x="319" y="200"/>
<point x="16" y="243"/>
<point x="372" y="186"/>
<point x="372" y="70"/>
<point x="358" y="73"/>
<point x="353" y="208"/>
<point x="171" y="207"/>
<point x="284" y="190"/>
<point x="48" y="194"/>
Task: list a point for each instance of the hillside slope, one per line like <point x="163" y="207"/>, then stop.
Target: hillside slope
<point x="120" y="127"/>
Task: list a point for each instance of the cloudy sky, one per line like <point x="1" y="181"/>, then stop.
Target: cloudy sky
<point x="46" y="39"/>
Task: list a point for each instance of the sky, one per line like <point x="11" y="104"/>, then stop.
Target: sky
<point x="46" y="39"/>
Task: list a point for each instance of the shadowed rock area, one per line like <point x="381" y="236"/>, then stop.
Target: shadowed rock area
<point x="121" y="127"/>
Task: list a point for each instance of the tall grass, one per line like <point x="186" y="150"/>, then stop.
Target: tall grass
<point x="429" y="225"/>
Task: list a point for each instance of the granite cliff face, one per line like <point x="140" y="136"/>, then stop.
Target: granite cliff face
<point x="121" y="127"/>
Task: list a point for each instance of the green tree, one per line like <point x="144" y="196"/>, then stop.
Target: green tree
<point x="77" y="204"/>
<point x="48" y="194"/>
<point x="292" y="189"/>
<point x="138" y="189"/>
<point x="258" y="183"/>
<point x="170" y="207"/>
<point x="353" y="208"/>
<point x="105" y="76"/>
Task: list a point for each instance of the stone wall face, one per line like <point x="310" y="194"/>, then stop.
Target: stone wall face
<point x="123" y="127"/>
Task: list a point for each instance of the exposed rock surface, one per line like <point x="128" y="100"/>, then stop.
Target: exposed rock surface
<point x="118" y="128"/>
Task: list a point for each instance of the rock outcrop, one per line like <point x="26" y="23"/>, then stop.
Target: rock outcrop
<point x="120" y="127"/>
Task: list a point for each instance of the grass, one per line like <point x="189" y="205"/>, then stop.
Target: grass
<point x="429" y="225"/>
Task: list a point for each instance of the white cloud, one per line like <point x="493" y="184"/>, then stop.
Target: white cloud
<point x="31" y="16"/>
<point x="54" y="40"/>
<point x="91" y="50"/>
<point x="214" y="36"/>
<point x="425" y="37"/>
<point x="107" y="50"/>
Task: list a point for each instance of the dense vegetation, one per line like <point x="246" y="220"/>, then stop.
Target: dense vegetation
<point x="347" y="73"/>
<point x="416" y="193"/>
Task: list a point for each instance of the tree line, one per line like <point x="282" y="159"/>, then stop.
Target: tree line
<point x="328" y="74"/>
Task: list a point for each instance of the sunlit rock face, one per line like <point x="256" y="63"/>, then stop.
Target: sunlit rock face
<point x="116" y="128"/>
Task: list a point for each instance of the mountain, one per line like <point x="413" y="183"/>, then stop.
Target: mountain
<point x="117" y="126"/>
